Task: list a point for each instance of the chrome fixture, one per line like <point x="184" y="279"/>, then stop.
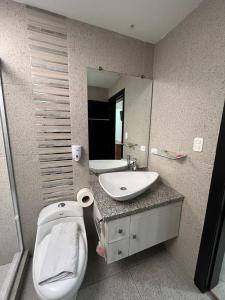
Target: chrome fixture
<point x="132" y="163"/>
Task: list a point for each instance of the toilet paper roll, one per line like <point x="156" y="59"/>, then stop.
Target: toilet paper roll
<point x="85" y="197"/>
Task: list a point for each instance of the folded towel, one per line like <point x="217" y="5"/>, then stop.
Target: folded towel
<point x="61" y="258"/>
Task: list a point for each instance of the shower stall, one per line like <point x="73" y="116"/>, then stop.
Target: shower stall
<point x="11" y="241"/>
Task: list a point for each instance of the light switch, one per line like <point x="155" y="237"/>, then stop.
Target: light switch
<point x="126" y="135"/>
<point x="143" y="148"/>
<point x="198" y="144"/>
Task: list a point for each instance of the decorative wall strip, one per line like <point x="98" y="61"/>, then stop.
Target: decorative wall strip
<point x="49" y="70"/>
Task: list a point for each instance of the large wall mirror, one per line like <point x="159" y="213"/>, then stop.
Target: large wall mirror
<point x="119" y="112"/>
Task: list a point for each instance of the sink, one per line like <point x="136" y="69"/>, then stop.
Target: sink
<point x="126" y="185"/>
<point x="107" y="165"/>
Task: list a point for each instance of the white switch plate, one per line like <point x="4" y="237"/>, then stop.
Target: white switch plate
<point x="198" y="144"/>
<point x="143" y="148"/>
<point x="126" y="135"/>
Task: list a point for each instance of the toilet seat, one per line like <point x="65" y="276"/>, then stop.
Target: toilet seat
<point x="60" y="289"/>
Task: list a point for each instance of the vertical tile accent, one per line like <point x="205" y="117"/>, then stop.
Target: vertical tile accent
<point x="47" y="36"/>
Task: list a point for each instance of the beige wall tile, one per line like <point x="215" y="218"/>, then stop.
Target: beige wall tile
<point x="13" y="40"/>
<point x="21" y="119"/>
<point x="28" y="185"/>
<point x="8" y="234"/>
<point x="188" y="100"/>
<point x="110" y="50"/>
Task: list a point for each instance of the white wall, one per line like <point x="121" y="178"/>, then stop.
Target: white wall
<point x="97" y="93"/>
<point x="136" y="114"/>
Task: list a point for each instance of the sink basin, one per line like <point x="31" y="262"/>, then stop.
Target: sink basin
<point x="126" y="185"/>
<point x="108" y="165"/>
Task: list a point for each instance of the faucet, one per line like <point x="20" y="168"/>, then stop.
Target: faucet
<point x="132" y="164"/>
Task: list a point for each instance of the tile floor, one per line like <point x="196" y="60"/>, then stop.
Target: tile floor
<point x="219" y="290"/>
<point x="149" y="275"/>
<point x="3" y="272"/>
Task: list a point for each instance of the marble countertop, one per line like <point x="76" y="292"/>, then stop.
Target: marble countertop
<point x="158" y="195"/>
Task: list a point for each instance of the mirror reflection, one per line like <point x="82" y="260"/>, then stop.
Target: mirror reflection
<point x="119" y="108"/>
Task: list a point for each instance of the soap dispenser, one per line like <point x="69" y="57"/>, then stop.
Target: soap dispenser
<point x="76" y="152"/>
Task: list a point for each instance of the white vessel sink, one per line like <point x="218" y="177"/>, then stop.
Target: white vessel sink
<point x="126" y="185"/>
<point x="108" y="165"/>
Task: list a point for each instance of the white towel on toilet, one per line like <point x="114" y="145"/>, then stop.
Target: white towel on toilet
<point x="61" y="257"/>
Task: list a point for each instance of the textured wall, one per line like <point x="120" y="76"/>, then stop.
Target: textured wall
<point x="137" y="112"/>
<point x="98" y="94"/>
<point x="14" y="53"/>
<point x="88" y="46"/>
<point x="8" y="234"/>
<point x="189" y="74"/>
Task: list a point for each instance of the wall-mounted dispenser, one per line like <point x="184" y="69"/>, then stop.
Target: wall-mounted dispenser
<point x="76" y="152"/>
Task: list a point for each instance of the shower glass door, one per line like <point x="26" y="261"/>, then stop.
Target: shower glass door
<point x="11" y="244"/>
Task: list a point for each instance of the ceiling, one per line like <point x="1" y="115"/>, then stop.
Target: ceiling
<point x="102" y="79"/>
<point x="152" y="19"/>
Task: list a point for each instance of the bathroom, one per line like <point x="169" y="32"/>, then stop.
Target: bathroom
<point x="177" y="49"/>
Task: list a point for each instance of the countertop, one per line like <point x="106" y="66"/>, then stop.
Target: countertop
<point x="158" y="195"/>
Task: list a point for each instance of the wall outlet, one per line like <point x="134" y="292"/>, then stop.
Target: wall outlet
<point x="143" y="148"/>
<point x="198" y="144"/>
<point x="126" y="135"/>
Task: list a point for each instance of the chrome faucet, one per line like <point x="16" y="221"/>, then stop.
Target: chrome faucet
<point x="132" y="163"/>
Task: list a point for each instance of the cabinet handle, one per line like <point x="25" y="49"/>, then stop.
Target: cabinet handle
<point x="119" y="252"/>
<point x="120" y="231"/>
<point x="134" y="236"/>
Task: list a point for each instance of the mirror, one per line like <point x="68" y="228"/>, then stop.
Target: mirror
<point x="119" y="111"/>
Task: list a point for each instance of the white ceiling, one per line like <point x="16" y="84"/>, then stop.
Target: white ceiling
<point x="153" y="19"/>
<point x="102" y="79"/>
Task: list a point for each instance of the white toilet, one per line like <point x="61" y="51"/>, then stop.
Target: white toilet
<point x="56" y="213"/>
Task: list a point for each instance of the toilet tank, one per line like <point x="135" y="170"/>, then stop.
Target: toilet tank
<point x="59" y="210"/>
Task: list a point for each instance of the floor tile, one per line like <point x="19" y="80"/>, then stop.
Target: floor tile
<point x="140" y="257"/>
<point x="149" y="275"/>
<point x="3" y="271"/>
<point x="161" y="278"/>
<point x="219" y="291"/>
<point x="97" y="268"/>
<point x="117" y="287"/>
<point x="28" y="292"/>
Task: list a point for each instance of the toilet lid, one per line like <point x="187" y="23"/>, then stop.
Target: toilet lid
<point x="58" y="289"/>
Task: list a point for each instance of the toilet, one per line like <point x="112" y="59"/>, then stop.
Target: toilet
<point x="68" y="211"/>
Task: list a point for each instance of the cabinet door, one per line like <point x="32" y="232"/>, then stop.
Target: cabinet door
<point x="154" y="226"/>
<point x="117" y="250"/>
<point x="117" y="229"/>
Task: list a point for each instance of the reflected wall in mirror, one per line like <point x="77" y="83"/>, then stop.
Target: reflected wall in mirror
<point x="119" y="110"/>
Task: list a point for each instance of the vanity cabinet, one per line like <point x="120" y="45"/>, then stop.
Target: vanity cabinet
<point x="131" y="234"/>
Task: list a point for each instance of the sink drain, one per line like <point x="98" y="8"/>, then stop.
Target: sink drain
<point x="123" y="188"/>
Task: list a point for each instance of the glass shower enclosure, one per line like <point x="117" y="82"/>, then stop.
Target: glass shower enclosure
<point x="11" y="242"/>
